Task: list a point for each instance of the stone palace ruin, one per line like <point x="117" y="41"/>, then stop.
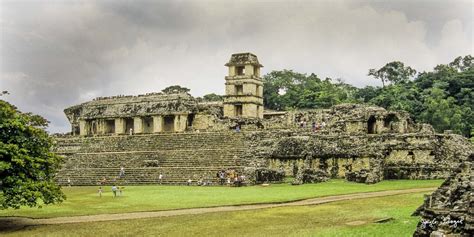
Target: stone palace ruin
<point x="183" y="138"/>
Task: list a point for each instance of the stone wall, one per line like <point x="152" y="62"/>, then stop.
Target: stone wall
<point x="449" y="210"/>
<point x="179" y="156"/>
<point x="383" y="156"/>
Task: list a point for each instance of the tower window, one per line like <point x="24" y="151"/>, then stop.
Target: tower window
<point x="240" y="70"/>
<point x="238" y="110"/>
<point x="239" y="89"/>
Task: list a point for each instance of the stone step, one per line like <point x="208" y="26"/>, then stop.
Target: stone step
<point x="177" y="156"/>
<point x="150" y="142"/>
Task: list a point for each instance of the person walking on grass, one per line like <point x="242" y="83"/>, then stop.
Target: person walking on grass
<point x="100" y="191"/>
<point x="114" y="190"/>
<point x="160" y="178"/>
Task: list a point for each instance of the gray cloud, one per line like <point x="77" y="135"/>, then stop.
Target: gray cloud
<point x="58" y="53"/>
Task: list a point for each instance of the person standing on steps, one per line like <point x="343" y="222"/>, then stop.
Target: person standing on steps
<point x="160" y="178"/>
<point x="222" y="177"/>
<point x="122" y="172"/>
<point x="103" y="181"/>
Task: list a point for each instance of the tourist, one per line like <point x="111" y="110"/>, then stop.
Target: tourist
<point x="236" y="181"/>
<point x="222" y="177"/>
<point x="189" y="182"/>
<point x="122" y="172"/>
<point x="313" y="126"/>
<point x="242" y="179"/>
<point x="160" y="178"/>
<point x="100" y="191"/>
<point x="237" y="128"/>
<point x="200" y="182"/>
<point x="323" y="124"/>
<point x="114" y="190"/>
<point x="103" y="181"/>
<point x="68" y="182"/>
<point x="131" y="131"/>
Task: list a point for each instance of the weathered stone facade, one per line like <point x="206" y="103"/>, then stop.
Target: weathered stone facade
<point x="174" y="134"/>
<point x="150" y="113"/>
<point x="449" y="211"/>
<point x="243" y="87"/>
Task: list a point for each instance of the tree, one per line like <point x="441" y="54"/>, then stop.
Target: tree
<point x="441" y="111"/>
<point x="213" y="97"/>
<point x="403" y="96"/>
<point x="175" y="89"/>
<point x="393" y="72"/>
<point x="27" y="165"/>
<point x="364" y="95"/>
<point x="287" y="90"/>
<point x="456" y="81"/>
<point x="462" y="63"/>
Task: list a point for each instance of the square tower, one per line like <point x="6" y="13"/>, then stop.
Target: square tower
<point x="243" y="87"/>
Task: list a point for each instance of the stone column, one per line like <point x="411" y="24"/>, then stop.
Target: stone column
<point x="402" y="126"/>
<point x="290" y="118"/>
<point x="83" y="128"/>
<point x="137" y="125"/>
<point x="101" y="126"/>
<point x="379" y="124"/>
<point x="157" y="124"/>
<point x="120" y="126"/>
<point x="231" y="71"/>
<point x="180" y="122"/>
<point x="248" y="70"/>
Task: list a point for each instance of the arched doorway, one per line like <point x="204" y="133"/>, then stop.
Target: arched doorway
<point x="390" y="122"/>
<point x="371" y="125"/>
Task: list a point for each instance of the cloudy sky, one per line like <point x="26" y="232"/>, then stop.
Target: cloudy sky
<point x="55" y="54"/>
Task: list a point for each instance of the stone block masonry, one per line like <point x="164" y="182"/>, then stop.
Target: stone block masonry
<point x="192" y="155"/>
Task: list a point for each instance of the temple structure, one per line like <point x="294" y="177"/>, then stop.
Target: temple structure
<point x="185" y="138"/>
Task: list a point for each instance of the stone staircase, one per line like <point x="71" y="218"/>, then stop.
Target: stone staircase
<point x="178" y="156"/>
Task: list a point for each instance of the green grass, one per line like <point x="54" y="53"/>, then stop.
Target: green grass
<point x="84" y="200"/>
<point x="333" y="219"/>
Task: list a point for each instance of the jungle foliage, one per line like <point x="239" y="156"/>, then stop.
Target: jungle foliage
<point x="443" y="97"/>
<point x="27" y="165"/>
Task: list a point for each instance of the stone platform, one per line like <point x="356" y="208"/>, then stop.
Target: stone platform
<point x="178" y="156"/>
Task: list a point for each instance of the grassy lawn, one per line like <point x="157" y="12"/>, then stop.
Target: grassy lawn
<point x="346" y="218"/>
<point x="85" y="201"/>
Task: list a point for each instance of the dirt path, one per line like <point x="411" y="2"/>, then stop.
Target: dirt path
<point x="20" y="221"/>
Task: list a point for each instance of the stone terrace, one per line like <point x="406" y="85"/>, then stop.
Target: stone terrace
<point x="178" y="156"/>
